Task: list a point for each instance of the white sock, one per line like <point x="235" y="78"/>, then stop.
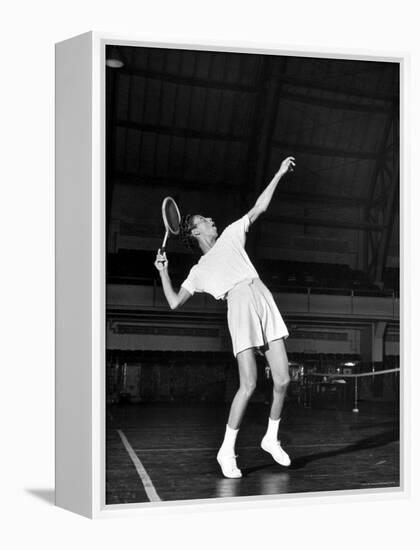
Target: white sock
<point x="272" y="429"/>
<point x="228" y="445"/>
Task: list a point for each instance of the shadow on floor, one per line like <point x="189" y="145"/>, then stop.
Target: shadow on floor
<point x="366" y="443"/>
<point x="378" y="440"/>
<point x="47" y="495"/>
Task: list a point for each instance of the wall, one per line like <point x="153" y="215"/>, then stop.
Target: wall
<point x="136" y="224"/>
<point x="139" y="319"/>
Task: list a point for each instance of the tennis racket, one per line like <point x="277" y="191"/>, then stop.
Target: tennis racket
<point x="171" y="219"/>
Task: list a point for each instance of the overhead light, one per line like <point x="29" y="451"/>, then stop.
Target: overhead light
<point x="349" y="364"/>
<point x="113" y="58"/>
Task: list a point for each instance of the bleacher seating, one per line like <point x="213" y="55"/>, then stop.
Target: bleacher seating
<point x="136" y="267"/>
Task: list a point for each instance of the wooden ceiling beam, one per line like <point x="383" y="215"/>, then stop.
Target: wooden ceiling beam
<point x="292" y="148"/>
<point x="176" y="183"/>
<point x="320" y="198"/>
<point x="339" y="89"/>
<point x="332" y="103"/>
<point x="187" y="133"/>
<point x="228" y="187"/>
<point x="316" y="222"/>
<point x="254" y="88"/>
<point x="190" y="81"/>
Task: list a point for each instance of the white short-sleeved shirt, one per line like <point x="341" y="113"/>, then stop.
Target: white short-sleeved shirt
<point x="225" y="265"/>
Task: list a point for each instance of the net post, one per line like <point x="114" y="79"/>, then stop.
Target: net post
<point x="355" y="409"/>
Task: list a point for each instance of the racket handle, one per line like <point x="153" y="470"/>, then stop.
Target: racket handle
<point x="163" y="249"/>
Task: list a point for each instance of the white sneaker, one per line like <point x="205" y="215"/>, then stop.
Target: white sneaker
<point x="275" y="450"/>
<point x="228" y="465"/>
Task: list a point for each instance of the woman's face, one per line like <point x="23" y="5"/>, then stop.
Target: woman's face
<point x="205" y="226"/>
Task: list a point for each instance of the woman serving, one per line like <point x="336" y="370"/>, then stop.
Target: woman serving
<point x="226" y="272"/>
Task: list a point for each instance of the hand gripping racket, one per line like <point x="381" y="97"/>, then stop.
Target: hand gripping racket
<point x="171" y="219"/>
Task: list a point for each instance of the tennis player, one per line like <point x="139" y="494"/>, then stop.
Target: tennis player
<point x="226" y="272"/>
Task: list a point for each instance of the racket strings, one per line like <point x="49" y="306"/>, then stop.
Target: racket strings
<point x="172" y="217"/>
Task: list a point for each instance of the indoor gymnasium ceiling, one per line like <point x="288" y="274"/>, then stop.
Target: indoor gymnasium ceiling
<point x="204" y="121"/>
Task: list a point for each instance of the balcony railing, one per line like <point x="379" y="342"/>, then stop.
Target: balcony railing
<point x="317" y="301"/>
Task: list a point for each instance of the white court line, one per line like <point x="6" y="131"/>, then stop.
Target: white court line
<point x="193" y="449"/>
<point x="144" y="476"/>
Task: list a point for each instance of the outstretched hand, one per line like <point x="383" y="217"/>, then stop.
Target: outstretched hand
<point x="288" y="165"/>
<point x="161" y="262"/>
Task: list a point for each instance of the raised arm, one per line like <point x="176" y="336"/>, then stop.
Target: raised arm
<point x="175" y="299"/>
<point x="264" y="199"/>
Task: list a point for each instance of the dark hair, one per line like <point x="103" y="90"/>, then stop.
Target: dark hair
<point x="185" y="228"/>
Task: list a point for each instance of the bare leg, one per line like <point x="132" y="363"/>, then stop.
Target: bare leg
<point x="277" y="359"/>
<point x="247" y="382"/>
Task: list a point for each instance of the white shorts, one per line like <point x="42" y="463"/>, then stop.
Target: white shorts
<point x="253" y="316"/>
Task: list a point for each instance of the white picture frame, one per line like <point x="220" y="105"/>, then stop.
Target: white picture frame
<point x="80" y="278"/>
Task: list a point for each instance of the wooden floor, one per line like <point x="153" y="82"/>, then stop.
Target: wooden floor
<point x="167" y="452"/>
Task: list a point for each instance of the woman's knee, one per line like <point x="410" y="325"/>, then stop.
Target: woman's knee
<point x="248" y="387"/>
<point x="280" y="383"/>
